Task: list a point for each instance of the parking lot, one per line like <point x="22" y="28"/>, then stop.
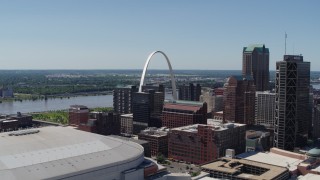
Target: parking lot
<point x="181" y="167"/>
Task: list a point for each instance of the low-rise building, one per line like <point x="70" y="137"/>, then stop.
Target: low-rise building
<point x="158" y="139"/>
<point x="126" y="124"/>
<point x="25" y="120"/>
<point x="226" y="168"/>
<point x="89" y="126"/>
<point x="78" y="114"/>
<point x="201" y="143"/>
<point x="257" y="141"/>
<point x="15" y="121"/>
<point x="9" y="125"/>
<point x="276" y="157"/>
<point x="107" y="123"/>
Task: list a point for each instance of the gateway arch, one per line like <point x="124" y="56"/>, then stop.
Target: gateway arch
<point x="173" y="81"/>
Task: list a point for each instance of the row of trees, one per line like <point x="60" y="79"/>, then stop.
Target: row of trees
<point x="62" y="82"/>
<point x="58" y="82"/>
<point x="62" y="116"/>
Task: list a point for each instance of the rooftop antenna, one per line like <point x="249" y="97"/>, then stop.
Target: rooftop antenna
<point x="285" y="43"/>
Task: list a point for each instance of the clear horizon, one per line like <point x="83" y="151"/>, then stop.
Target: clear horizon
<point x="121" y="34"/>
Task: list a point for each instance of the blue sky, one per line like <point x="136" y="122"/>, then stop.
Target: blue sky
<point x="101" y="34"/>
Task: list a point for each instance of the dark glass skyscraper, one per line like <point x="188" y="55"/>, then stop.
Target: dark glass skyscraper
<point x="255" y="63"/>
<point x="190" y="92"/>
<point x="141" y="110"/>
<point x="292" y="110"/>
<point x="147" y="107"/>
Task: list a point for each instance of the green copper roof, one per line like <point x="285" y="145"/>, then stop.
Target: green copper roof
<point x="258" y="47"/>
<point x="315" y="152"/>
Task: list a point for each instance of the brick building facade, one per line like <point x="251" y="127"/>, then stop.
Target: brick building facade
<point x="200" y="143"/>
<point x="182" y="113"/>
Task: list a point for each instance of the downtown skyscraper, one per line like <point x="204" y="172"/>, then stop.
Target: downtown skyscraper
<point x="190" y="92"/>
<point x="292" y="112"/>
<point x="239" y="100"/>
<point x="265" y="108"/>
<point x="255" y="63"/>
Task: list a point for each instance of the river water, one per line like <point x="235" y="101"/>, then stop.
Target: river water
<point x="55" y="104"/>
<point x="58" y="104"/>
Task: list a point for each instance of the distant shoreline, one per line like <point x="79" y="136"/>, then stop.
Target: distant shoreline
<point x="35" y="97"/>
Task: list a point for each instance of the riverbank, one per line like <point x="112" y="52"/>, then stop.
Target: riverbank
<point x="62" y="116"/>
<point x="33" y="97"/>
<point x="53" y="104"/>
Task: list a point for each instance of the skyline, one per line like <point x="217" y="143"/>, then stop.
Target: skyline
<point x="120" y="35"/>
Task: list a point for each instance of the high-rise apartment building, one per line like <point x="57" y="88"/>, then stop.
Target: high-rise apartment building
<point x="190" y="92"/>
<point x="183" y="113"/>
<point x="122" y="99"/>
<point x="265" y="108"/>
<point x="292" y="111"/>
<point x="255" y="63"/>
<point x="201" y="143"/>
<point x="239" y="100"/>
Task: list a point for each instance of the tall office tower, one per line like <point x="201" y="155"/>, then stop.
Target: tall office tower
<point x="141" y="110"/>
<point x="265" y="107"/>
<point x="156" y="103"/>
<point x="122" y="99"/>
<point x="190" y="93"/>
<point x="292" y="114"/>
<point x="157" y="99"/>
<point x="239" y="100"/>
<point x="183" y="113"/>
<point x="255" y="62"/>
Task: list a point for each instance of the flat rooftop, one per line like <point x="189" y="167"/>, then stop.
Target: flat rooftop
<point x="233" y="167"/>
<point x="127" y="115"/>
<point x="155" y="132"/>
<point x="61" y="152"/>
<point x="215" y="127"/>
<point x="272" y="159"/>
<point x="309" y="177"/>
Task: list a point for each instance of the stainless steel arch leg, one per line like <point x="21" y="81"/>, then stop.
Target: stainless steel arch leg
<point x="173" y="81"/>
